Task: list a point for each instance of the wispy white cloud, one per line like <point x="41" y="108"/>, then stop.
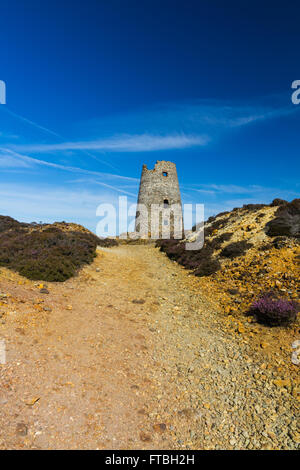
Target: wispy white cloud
<point x="50" y="132"/>
<point x="204" y="191"/>
<point x="236" y="116"/>
<point x="11" y="161"/>
<point x="227" y="188"/>
<point x="115" y="188"/>
<point x="198" y="118"/>
<point x="123" y="143"/>
<point x="163" y="127"/>
<point x="238" y="194"/>
<point x="120" y="189"/>
<point x="9" y="157"/>
<point x="31" y="123"/>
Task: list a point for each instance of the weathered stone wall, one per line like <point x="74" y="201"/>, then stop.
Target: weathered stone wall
<point x="156" y="187"/>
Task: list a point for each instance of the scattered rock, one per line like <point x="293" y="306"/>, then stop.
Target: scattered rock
<point x="44" y="291"/>
<point x="282" y="383"/>
<point x="159" y="427"/>
<point x="33" y="401"/>
<point x="21" y="429"/>
<point x="145" y="437"/>
<point x="233" y="291"/>
<point x="21" y="331"/>
<point x="296" y="354"/>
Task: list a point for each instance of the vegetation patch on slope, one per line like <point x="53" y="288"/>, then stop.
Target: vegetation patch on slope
<point x="274" y="311"/>
<point x="286" y="221"/>
<point x="46" y="252"/>
<point x="243" y="255"/>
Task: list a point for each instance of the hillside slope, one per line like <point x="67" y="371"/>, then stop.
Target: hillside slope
<point x="248" y="251"/>
<point x="48" y="252"/>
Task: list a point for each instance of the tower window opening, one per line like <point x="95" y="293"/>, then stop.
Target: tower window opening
<point x="166" y="203"/>
<point x="165" y="173"/>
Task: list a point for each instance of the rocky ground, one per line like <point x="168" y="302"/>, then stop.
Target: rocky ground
<point x="136" y="353"/>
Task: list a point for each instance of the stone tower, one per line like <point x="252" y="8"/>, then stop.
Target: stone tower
<point x="159" y="193"/>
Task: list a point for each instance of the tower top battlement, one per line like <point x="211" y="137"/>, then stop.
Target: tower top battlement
<point x="159" y="165"/>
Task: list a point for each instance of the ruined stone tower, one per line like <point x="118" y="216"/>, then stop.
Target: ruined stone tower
<point x="159" y="193"/>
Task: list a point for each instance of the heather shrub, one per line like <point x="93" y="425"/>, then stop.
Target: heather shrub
<point x="50" y="254"/>
<point x="235" y="249"/>
<point x="253" y="207"/>
<point x="265" y="247"/>
<point x="107" y="242"/>
<point x="207" y="267"/>
<point x="173" y="249"/>
<point x="7" y="223"/>
<point x="218" y="241"/>
<point x="280" y="242"/>
<point x="215" y="223"/>
<point x="273" y="311"/>
<point x="293" y="208"/>
<point x="208" y="231"/>
<point x="286" y="221"/>
<point x="278" y="202"/>
<point x="213" y="217"/>
<point x="199" y="261"/>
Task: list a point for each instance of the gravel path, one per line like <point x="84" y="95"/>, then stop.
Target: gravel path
<point x="131" y="354"/>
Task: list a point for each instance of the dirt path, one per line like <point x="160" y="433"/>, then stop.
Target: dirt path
<point x="130" y="355"/>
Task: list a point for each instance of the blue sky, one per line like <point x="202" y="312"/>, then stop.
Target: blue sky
<point x="96" y="88"/>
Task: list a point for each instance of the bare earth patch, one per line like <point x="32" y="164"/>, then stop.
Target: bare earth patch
<point x="134" y="353"/>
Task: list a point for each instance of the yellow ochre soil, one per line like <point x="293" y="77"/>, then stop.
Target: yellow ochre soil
<point x="261" y="269"/>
